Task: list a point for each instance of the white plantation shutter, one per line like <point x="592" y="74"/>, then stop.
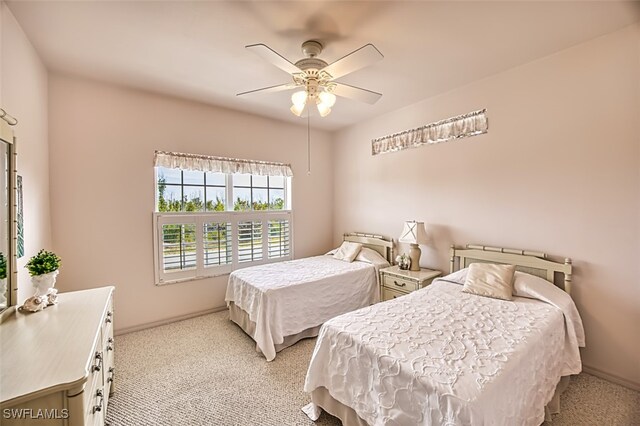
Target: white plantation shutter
<point x="178" y="242"/>
<point x="178" y="247"/>
<point x="217" y="244"/>
<point x="249" y="241"/>
<point x="279" y="238"/>
<point x="198" y="245"/>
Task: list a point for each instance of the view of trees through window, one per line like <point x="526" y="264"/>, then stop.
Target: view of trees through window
<point x="195" y="191"/>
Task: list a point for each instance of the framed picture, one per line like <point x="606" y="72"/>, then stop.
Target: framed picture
<point x="20" y="218"/>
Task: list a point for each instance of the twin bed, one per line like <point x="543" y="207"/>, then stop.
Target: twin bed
<point x="280" y="303"/>
<point x="440" y="356"/>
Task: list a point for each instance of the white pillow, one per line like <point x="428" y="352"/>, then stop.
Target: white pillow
<point x="371" y="256"/>
<point x="490" y="280"/>
<point x="347" y="251"/>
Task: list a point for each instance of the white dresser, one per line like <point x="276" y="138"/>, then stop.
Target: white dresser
<point x="56" y="366"/>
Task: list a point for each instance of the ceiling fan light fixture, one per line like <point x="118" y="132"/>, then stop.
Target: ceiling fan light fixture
<point x="297" y="109"/>
<point x="327" y="98"/>
<point x="299" y="98"/>
<point x="323" y="109"/>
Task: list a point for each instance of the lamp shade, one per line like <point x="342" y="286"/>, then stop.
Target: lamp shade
<point x="329" y="99"/>
<point x="299" y="98"/>
<point x="323" y="109"/>
<point x="414" y="233"/>
<point x="297" y="109"/>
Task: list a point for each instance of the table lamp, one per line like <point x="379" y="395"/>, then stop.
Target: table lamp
<point x="414" y="234"/>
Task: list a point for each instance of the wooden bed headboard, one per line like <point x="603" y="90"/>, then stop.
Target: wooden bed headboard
<point x="534" y="263"/>
<point x="382" y="245"/>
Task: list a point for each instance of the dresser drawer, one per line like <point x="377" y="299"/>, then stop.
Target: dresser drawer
<point x="107" y="328"/>
<point x="109" y="370"/>
<point x="94" y="382"/>
<point x="397" y="283"/>
<point x="389" y="294"/>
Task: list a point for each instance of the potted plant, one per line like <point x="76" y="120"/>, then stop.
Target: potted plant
<point x="3" y="280"/>
<point x="3" y="266"/>
<point x="43" y="268"/>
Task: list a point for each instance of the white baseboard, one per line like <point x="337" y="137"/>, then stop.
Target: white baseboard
<point x="611" y="377"/>
<point x="126" y="330"/>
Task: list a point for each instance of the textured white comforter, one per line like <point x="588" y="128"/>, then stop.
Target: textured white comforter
<point x="442" y="357"/>
<point x="286" y="298"/>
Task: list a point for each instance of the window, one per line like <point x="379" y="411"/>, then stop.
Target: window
<point x="190" y="191"/>
<point x="209" y="223"/>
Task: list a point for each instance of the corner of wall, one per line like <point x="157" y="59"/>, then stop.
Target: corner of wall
<point x="24" y="89"/>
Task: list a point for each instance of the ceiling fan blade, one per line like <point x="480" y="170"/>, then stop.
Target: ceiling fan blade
<point x="352" y="92"/>
<point x="271" y="89"/>
<point x="360" y="58"/>
<point x="274" y="57"/>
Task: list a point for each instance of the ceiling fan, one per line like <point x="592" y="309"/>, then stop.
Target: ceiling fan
<point x="316" y="78"/>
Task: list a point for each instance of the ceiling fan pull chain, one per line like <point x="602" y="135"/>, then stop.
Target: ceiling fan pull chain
<point x="308" y="142"/>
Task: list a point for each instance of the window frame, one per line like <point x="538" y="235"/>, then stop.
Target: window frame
<point x="162" y="277"/>
<point x="229" y="191"/>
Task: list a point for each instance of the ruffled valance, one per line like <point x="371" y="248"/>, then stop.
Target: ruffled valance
<point x="473" y="123"/>
<point x="208" y="163"/>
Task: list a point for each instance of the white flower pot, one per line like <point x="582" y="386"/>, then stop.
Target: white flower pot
<point x="44" y="283"/>
<point x="3" y="293"/>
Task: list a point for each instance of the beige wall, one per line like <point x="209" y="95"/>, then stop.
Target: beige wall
<point x="23" y="93"/>
<point x="102" y="186"/>
<point x="559" y="171"/>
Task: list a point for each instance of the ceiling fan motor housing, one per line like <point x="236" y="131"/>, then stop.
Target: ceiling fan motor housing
<point x="311" y="48"/>
<point x="311" y="64"/>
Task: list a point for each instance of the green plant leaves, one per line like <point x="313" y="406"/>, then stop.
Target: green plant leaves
<point x="43" y="263"/>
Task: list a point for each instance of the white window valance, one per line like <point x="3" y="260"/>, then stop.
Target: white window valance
<point x="470" y="124"/>
<point x="208" y="163"/>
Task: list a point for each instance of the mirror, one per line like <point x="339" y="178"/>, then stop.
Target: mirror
<point x="7" y="212"/>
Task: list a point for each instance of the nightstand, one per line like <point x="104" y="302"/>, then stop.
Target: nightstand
<point x="395" y="282"/>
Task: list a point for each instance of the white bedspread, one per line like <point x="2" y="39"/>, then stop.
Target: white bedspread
<point x="442" y="357"/>
<point x="286" y="298"/>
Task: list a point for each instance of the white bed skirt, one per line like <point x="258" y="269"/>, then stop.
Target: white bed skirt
<point x="241" y="317"/>
<point x="322" y="399"/>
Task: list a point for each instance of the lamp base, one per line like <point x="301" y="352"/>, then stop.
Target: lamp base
<point x="414" y="255"/>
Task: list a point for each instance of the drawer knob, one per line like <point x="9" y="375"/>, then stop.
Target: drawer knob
<point x="98" y="365"/>
<point x="98" y="407"/>
<point x="399" y="284"/>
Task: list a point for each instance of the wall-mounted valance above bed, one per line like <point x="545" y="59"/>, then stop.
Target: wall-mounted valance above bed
<point x="209" y="163"/>
<point x="470" y="124"/>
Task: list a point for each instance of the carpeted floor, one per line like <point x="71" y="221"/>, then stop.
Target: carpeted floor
<point x="205" y="371"/>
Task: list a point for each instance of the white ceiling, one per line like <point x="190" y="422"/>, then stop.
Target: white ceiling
<point x="195" y="50"/>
